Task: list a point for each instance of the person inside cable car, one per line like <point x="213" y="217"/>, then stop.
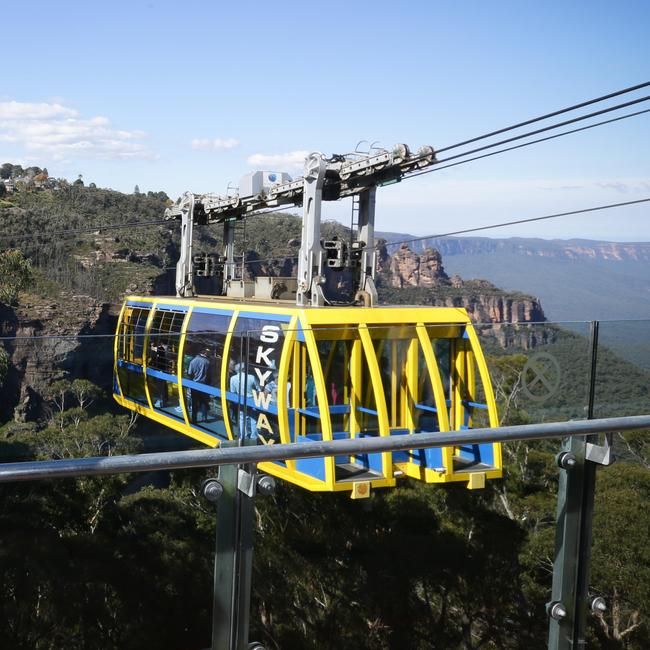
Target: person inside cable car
<point x="198" y="371"/>
<point x="243" y="384"/>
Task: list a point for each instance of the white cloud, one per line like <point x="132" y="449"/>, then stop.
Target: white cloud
<point x="54" y="131"/>
<point x="29" y="111"/>
<point x="280" y="161"/>
<point x="216" y="144"/>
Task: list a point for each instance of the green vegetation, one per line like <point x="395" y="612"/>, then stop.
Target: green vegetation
<point x="102" y="264"/>
<point x="15" y="275"/>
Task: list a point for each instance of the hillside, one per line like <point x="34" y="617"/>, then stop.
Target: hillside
<point x="53" y="228"/>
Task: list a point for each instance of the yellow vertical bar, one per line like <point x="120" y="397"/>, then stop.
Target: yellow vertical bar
<point x="355" y="387"/>
<point x="379" y="394"/>
<point x="296" y="360"/>
<point x="471" y="383"/>
<point x="434" y="376"/>
<point x="116" y="347"/>
<point x="458" y="383"/>
<point x="438" y="393"/>
<point x="323" y="403"/>
<point x="411" y="384"/>
<point x="346" y="383"/>
<point x="302" y="383"/>
<point x="401" y="350"/>
<point x="380" y="351"/>
<point x="393" y="383"/>
<point x="224" y="373"/>
<point x="145" y="354"/>
<point x="179" y="367"/>
<point x="283" y="379"/>
<point x="484" y="374"/>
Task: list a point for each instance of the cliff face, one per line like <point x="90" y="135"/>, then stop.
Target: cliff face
<point x="408" y="269"/>
<point x="72" y="337"/>
<point x="496" y="309"/>
<point x="422" y="279"/>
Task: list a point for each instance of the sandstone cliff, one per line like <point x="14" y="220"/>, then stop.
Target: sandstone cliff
<point x="420" y="278"/>
<point x="49" y="340"/>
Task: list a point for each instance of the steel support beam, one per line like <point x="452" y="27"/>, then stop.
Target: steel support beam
<point x="573" y="535"/>
<point x="184" y="266"/>
<point x="366" y="234"/>
<point x="228" y="253"/>
<point x="310" y="259"/>
<point x="233" y="563"/>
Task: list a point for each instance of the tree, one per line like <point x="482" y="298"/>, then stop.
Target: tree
<point x="3" y="189"/>
<point x="4" y="365"/>
<point x="57" y="392"/>
<point x="85" y="392"/>
<point x="15" y="275"/>
<point x="8" y="170"/>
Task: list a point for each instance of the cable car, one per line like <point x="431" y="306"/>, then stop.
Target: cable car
<point x="216" y="370"/>
<point x="312" y="357"/>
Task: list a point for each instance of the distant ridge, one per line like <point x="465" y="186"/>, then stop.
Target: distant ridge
<point x="557" y="248"/>
<point x="575" y="279"/>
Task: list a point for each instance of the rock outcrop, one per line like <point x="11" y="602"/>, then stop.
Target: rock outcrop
<point x="409" y="269"/>
<point x="484" y="302"/>
<point x="71" y="337"/>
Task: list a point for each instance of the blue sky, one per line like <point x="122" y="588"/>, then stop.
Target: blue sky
<point x="191" y="95"/>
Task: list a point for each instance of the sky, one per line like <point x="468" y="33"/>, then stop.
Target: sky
<point x="191" y="95"/>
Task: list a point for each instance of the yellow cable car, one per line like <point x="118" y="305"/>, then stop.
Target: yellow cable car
<point x="215" y="369"/>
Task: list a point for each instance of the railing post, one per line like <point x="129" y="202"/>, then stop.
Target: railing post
<point x="235" y="491"/>
<point x="567" y="609"/>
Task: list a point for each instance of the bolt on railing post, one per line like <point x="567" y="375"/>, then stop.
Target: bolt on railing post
<point x="567" y="608"/>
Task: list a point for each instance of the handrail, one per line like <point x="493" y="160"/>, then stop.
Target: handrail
<point x="95" y="466"/>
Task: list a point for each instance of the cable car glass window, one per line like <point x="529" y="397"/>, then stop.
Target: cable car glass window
<point x="253" y="366"/>
<point x="131" y="344"/>
<point x="164" y="340"/>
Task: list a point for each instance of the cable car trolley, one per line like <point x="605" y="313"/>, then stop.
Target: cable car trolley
<point x="310" y="358"/>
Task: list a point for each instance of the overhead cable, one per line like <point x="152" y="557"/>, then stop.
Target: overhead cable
<point x="548" y="115"/>
<point x="519" y="221"/>
<point x="602" y="111"/>
<point x="526" y="144"/>
<point x="98" y="228"/>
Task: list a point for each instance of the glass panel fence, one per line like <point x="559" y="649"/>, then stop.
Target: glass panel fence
<point x="540" y="372"/>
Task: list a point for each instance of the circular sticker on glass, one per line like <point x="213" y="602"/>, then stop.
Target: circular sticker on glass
<point x="541" y="376"/>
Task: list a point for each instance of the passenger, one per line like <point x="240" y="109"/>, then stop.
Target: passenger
<point x="199" y="371"/>
<point x="310" y="390"/>
<point x="243" y="385"/>
<point x="272" y="388"/>
<point x="158" y="361"/>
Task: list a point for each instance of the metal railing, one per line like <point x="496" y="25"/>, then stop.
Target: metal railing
<point x="239" y="455"/>
<point x="238" y="483"/>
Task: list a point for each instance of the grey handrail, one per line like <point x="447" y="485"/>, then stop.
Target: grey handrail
<point x="233" y="455"/>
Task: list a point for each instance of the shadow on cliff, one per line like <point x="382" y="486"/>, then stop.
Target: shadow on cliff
<point x="92" y="359"/>
<point x="10" y="385"/>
